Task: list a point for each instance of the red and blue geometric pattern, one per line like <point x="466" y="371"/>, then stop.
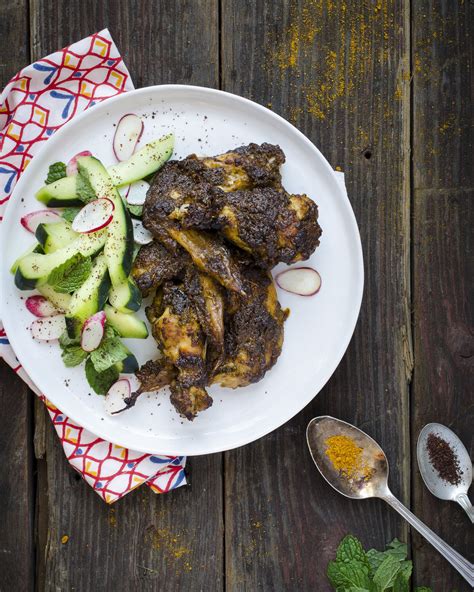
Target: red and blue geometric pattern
<point x="35" y="103"/>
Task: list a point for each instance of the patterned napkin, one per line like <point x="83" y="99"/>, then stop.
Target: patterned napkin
<point x="35" y="103"/>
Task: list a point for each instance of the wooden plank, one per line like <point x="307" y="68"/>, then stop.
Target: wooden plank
<point x="443" y="62"/>
<point x="145" y="541"/>
<point x="17" y="558"/>
<point x="340" y="71"/>
<point x="16" y="458"/>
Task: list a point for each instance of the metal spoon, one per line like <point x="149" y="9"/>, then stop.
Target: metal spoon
<point x="437" y="486"/>
<point x="373" y="482"/>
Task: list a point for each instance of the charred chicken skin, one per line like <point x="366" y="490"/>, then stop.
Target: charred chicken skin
<point x="238" y="193"/>
<point x="176" y="328"/>
<point x="253" y="330"/>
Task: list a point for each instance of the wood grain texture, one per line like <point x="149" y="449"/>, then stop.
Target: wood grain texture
<point x="443" y="63"/>
<point x="17" y="558"/>
<point x="16" y="459"/>
<point x="340" y="72"/>
<point x="145" y="541"/>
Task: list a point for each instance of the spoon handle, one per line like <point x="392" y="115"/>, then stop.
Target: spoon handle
<point x="464" y="567"/>
<point x="466" y="505"/>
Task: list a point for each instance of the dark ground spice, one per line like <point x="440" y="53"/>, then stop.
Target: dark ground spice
<point x="443" y="459"/>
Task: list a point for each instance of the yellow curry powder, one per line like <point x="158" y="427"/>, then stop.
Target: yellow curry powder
<point x="346" y="457"/>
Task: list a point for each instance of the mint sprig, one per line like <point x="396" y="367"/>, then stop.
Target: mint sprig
<point x="56" y="171"/>
<point x="100" y="381"/>
<point x="70" y="275"/>
<point x="109" y="352"/>
<point x="355" y="570"/>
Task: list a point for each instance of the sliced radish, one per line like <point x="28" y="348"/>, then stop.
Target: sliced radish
<point x="93" y="331"/>
<point x="140" y="234"/>
<point x="34" y="219"/>
<point x="48" y="328"/>
<point x="95" y="215"/>
<point x="128" y="132"/>
<point x="136" y="194"/>
<point x="124" y="191"/>
<point x="304" y="281"/>
<point x="116" y="395"/>
<point x="71" y="167"/>
<point x="41" y="306"/>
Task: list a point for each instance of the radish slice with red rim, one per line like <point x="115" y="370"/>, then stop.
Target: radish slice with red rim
<point x="71" y="167"/>
<point x="41" y="306"/>
<point x="140" y="234"/>
<point x="116" y="395"/>
<point x="124" y="191"/>
<point x="32" y="220"/>
<point x="95" y="215"/>
<point x="93" y="331"/>
<point x="48" y="328"/>
<point x="136" y="193"/>
<point x="127" y="134"/>
<point x="304" y="281"/>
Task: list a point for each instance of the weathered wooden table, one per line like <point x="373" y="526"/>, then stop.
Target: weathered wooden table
<point x="383" y="89"/>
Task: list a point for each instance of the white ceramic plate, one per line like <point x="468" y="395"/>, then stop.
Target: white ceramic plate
<point x="317" y="332"/>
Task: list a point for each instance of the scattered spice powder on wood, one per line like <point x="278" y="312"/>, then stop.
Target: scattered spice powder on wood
<point x="443" y="459"/>
<point x="346" y="457"/>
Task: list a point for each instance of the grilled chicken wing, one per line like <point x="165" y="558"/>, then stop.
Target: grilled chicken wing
<point x="208" y="299"/>
<point x="254" y="330"/>
<point x="238" y="193"/>
<point x="271" y="224"/>
<point x="153" y="375"/>
<point x="178" y="333"/>
<point x="154" y="264"/>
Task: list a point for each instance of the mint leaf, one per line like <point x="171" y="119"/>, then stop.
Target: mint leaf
<point x="401" y="583"/>
<point x="73" y="355"/>
<point x="70" y="275"/>
<point x="351" y="568"/>
<point x="70" y="213"/>
<point x="396" y="549"/>
<point x="109" y="352"/>
<point x="350" y="548"/>
<point x="345" y="576"/>
<point x="56" y="171"/>
<point x="423" y="589"/>
<point x="386" y="573"/>
<point x="84" y="189"/>
<point x="66" y="341"/>
<point x="100" y="381"/>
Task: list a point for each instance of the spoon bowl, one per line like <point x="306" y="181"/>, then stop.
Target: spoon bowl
<point x="372" y="482"/>
<point x="438" y="486"/>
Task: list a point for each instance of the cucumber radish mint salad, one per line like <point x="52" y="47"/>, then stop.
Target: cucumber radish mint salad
<point x="81" y="261"/>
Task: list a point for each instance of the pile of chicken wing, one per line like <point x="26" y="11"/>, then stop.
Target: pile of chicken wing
<point x="219" y="225"/>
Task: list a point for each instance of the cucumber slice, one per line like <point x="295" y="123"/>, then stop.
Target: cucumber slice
<point x="144" y="162"/>
<point x="33" y="249"/>
<point x="60" y="194"/>
<point x="36" y="266"/>
<point x="89" y="299"/>
<point x="55" y="236"/>
<point x="126" y="325"/>
<point x="62" y="301"/>
<point x="126" y="297"/>
<point x="63" y="193"/>
<point x="118" y="249"/>
<point x="127" y="366"/>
